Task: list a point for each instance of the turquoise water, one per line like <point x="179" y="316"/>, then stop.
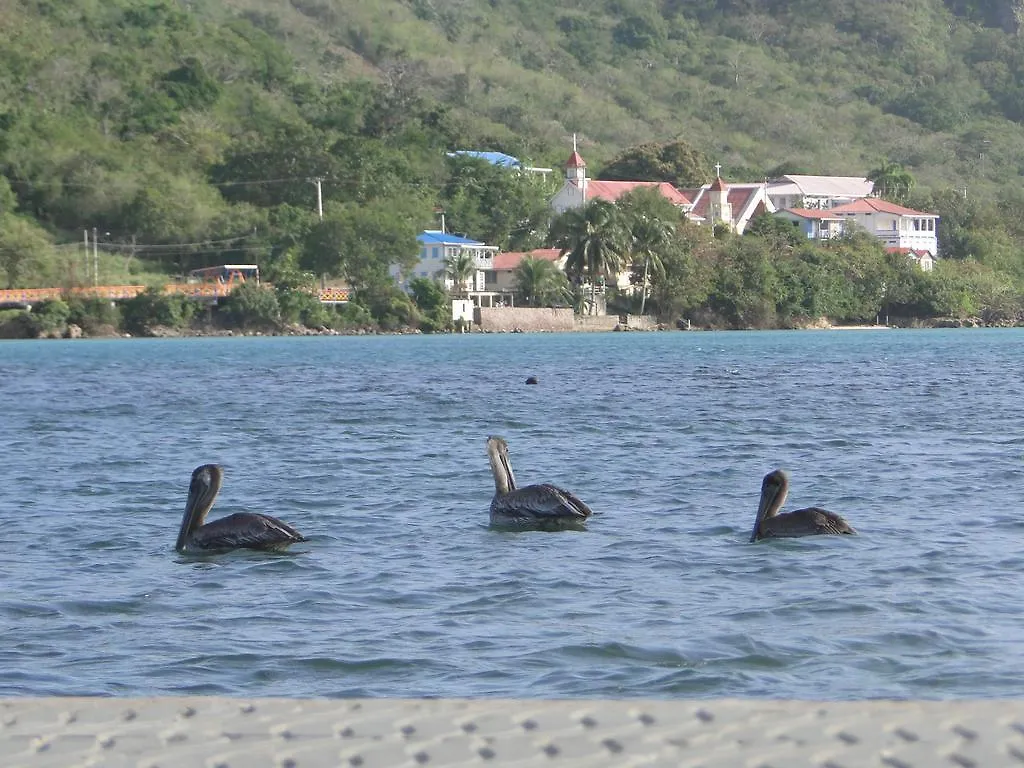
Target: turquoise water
<point x="374" y="448"/>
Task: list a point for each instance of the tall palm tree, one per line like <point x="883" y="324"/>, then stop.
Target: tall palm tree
<point x="892" y="181"/>
<point x="459" y="268"/>
<point x="594" y="240"/>
<point x="540" y="282"/>
<point x="648" y="238"/>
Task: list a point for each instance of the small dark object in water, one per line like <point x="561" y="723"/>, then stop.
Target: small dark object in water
<point x="532" y="380"/>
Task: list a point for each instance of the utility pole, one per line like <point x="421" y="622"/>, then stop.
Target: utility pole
<point x="85" y="274"/>
<point x="95" y="259"/>
<point x="319" y="181"/>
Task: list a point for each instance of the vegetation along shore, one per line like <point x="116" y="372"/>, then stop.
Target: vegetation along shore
<point x="619" y="159"/>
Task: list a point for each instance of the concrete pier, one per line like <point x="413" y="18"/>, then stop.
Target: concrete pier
<point x="215" y="732"/>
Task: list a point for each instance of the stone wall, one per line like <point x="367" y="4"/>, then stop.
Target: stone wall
<point x="523" y="319"/>
<point x="498" y="319"/>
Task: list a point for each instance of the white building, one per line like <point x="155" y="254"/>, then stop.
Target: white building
<point x="578" y="190"/>
<point x="900" y="229"/>
<point x="895" y="225"/>
<point x="817" y="192"/>
<point x="731" y="204"/>
<point x="436" y="247"/>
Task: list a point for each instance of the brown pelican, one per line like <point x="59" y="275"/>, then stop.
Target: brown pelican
<point x="800" y="522"/>
<point x="545" y="507"/>
<point x="245" y="530"/>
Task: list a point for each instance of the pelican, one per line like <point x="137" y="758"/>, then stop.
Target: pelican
<point x="245" y="530"/>
<point x="545" y="507"/>
<point x="800" y="522"/>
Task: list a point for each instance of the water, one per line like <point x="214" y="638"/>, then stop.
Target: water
<point x="374" y="447"/>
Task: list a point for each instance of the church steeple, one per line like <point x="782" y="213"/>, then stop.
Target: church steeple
<point x="718" y="197"/>
<point x="576" y="170"/>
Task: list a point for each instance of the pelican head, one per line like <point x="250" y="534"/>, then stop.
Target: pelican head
<point x="774" y="488"/>
<point x="497" y="452"/>
<point x="202" y="492"/>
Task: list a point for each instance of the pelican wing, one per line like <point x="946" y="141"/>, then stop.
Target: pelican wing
<point x="543" y="503"/>
<point x="806" y="522"/>
<point x="245" y="530"/>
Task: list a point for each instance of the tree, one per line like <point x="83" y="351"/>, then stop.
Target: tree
<point x="651" y="224"/>
<point x="541" y="283"/>
<point x="361" y="242"/>
<point x="891" y="181"/>
<point x="25" y="249"/>
<point x="460" y="268"/>
<point x="676" y="162"/>
<point x="594" y="239"/>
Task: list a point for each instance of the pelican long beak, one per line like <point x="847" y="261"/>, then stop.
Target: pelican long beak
<point x="497" y="452"/>
<point x="202" y="491"/>
<point x="767" y="492"/>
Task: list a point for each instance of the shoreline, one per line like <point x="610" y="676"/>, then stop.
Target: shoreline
<point x="209" y="332"/>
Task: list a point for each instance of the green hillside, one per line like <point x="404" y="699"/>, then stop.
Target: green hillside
<point x="188" y="132"/>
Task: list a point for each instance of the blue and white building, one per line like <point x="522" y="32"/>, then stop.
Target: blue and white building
<point x="436" y="247"/>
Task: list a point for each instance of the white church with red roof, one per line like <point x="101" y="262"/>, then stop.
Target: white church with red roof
<point x="716" y="203"/>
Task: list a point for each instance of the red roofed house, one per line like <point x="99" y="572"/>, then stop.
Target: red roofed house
<point x="501" y="279"/>
<point x="902" y="230"/>
<point x="894" y="225"/>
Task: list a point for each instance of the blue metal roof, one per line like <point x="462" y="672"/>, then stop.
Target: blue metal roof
<point x="437" y="237"/>
<point x="494" y="158"/>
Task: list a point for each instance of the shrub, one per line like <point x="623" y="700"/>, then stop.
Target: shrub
<point x="298" y="306"/>
<point x="93" y="314"/>
<point x="52" y="315"/>
<point x="153" y="307"/>
<point x="252" y="306"/>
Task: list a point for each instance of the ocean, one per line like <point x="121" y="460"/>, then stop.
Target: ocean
<point x="374" y="448"/>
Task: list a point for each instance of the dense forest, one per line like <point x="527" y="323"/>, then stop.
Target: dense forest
<point x="192" y="132"/>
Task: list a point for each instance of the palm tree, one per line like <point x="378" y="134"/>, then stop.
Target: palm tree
<point x="648" y="238"/>
<point x="594" y="239"/>
<point x="540" y="282"/>
<point x="892" y="181"/>
<point x="459" y="268"/>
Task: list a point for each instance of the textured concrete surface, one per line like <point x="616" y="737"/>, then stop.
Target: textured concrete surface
<point x="291" y="733"/>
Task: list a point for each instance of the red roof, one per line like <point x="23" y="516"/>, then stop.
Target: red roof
<point x="738" y="197"/>
<point x="511" y="259"/>
<point x="613" y="190"/>
<point x="718" y="185"/>
<point x="575" y="161"/>
<point x="877" y="205"/>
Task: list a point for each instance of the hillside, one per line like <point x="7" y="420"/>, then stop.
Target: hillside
<point x="188" y="132"/>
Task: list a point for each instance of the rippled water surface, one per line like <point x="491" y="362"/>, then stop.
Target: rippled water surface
<point x="374" y="448"/>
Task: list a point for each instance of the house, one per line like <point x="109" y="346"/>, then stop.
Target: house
<point x="436" y="246"/>
<point x="902" y="230"/>
<point x="733" y="205"/>
<point x="815" y="223"/>
<point x="922" y="258"/>
<point x="577" y="189"/>
<point x="817" y="192"/>
<point x="895" y="225"/>
<point x="502" y="280"/>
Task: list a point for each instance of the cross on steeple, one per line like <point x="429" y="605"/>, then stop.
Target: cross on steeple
<point x="574" y="142"/>
<point x="718" y="170"/>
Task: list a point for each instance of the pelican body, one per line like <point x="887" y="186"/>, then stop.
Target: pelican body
<point x="242" y="530"/>
<point x="800" y="522"/>
<point x="542" y="507"/>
